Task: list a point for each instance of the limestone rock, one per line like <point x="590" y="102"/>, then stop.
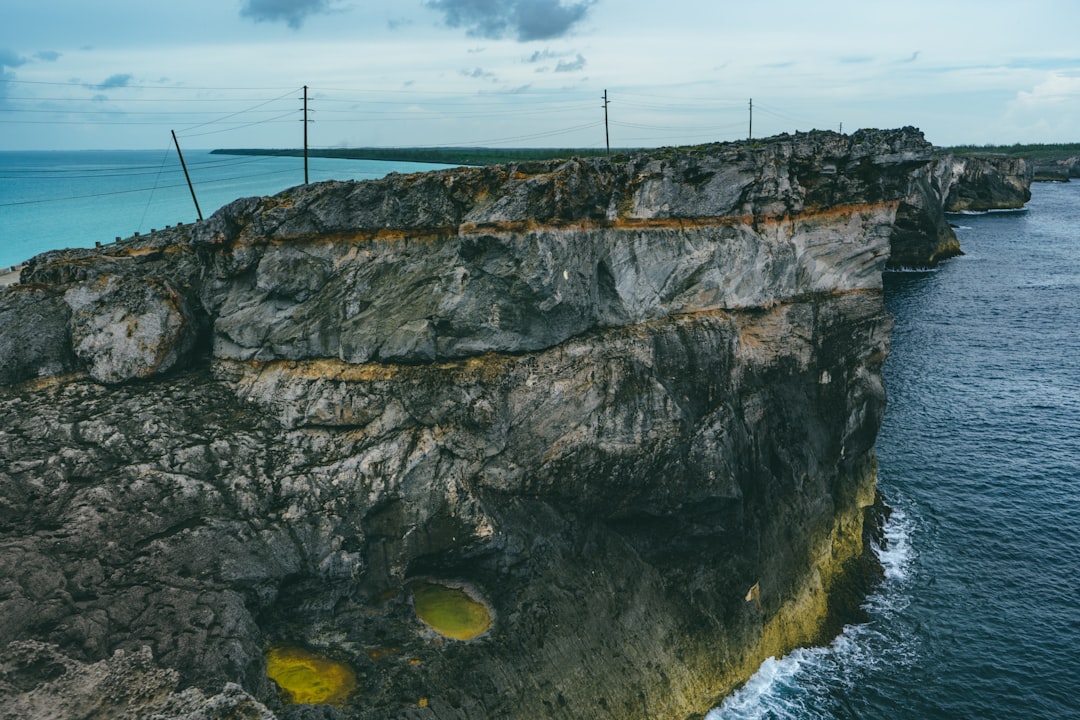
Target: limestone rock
<point x="122" y="330"/>
<point x="39" y="681"/>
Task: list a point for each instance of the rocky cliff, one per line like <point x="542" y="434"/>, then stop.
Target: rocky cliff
<point x="922" y="236"/>
<point x="628" y="405"/>
<point x="981" y="183"/>
<point x="1060" y="170"/>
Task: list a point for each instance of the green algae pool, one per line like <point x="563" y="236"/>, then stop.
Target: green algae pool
<point x="307" y="678"/>
<point x="450" y="611"/>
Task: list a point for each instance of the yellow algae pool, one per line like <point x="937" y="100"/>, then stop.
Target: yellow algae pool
<point x="450" y="611"/>
<point x="308" y="678"/>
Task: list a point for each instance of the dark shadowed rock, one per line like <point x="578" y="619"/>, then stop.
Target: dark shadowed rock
<point x="35" y="339"/>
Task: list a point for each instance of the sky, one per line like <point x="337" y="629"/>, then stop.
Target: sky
<point x="123" y="74"/>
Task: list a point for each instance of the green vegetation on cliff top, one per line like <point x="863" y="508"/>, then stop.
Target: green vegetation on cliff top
<point x="441" y="155"/>
<point x="1058" y="151"/>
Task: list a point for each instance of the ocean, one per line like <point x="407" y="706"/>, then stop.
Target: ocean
<point x="979" y="612"/>
<point x="978" y="615"/>
<point x="61" y="199"/>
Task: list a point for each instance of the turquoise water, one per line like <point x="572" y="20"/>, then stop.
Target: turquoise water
<point x="51" y="200"/>
<point x="979" y="614"/>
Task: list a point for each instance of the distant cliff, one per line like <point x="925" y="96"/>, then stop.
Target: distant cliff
<point x="1059" y="170"/>
<point x="977" y="184"/>
<point x="922" y="236"/>
<point x="629" y="404"/>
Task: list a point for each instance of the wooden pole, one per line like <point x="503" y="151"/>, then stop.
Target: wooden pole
<point x="750" y="132"/>
<point x="188" y="177"/>
<point x="305" y="138"/>
<point x="607" y="136"/>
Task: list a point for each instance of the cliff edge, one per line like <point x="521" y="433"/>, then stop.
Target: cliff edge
<point x="627" y="406"/>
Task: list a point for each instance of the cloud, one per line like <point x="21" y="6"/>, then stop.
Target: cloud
<point x="478" y="74"/>
<point x="10" y="59"/>
<point x="542" y="55"/>
<point x="115" y="81"/>
<point x="291" y="12"/>
<point x="574" y="65"/>
<point x="524" y="19"/>
<point x="47" y="55"/>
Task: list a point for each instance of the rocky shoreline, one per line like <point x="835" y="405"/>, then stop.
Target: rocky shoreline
<point x="630" y="404"/>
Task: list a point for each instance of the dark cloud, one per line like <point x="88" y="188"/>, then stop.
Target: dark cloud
<point x="291" y="12"/>
<point x="542" y="55"/>
<point x="574" y="65"/>
<point x="10" y="59"/>
<point x="47" y="55"/>
<point x="115" y="81"/>
<point x="479" y="74"/>
<point x="524" y="19"/>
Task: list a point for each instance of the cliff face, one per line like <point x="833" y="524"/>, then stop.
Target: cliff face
<point x="922" y="236"/>
<point x="977" y="184"/>
<point x="629" y="404"/>
<point x="1056" y="170"/>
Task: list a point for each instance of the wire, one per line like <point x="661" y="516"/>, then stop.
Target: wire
<point x="91" y="86"/>
<point x="215" y="181"/>
<point x="240" y="112"/>
<point x="158" y="180"/>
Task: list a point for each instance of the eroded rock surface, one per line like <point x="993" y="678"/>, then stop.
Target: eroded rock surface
<point x="980" y="183"/>
<point x="631" y="403"/>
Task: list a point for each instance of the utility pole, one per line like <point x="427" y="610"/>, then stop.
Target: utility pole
<point x="750" y="132"/>
<point x="305" y="138"/>
<point x="607" y="136"/>
<point x="188" y="177"/>
<point x="841" y="128"/>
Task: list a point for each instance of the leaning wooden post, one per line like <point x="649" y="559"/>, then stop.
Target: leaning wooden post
<point x="188" y="177"/>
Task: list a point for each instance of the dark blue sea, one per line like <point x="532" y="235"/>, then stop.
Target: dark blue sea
<point x="979" y="612"/>
<point x="61" y="199"/>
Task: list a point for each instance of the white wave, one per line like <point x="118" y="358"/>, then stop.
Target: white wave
<point x="910" y="270"/>
<point x="994" y="211"/>
<point x="798" y="686"/>
<point x="896" y="553"/>
<point x="764" y="693"/>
